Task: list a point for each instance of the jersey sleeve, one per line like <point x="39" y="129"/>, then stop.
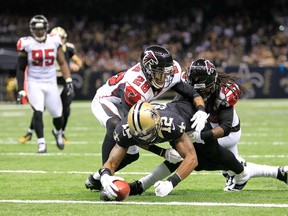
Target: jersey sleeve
<point x="22" y="43"/>
<point x="122" y="135"/>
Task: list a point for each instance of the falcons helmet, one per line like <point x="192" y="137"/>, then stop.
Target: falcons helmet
<point x="39" y="27"/>
<point x="157" y="65"/>
<point x="202" y="75"/>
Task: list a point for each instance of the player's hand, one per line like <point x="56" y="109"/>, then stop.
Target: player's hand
<point x="199" y="119"/>
<point x="172" y="156"/>
<point x="195" y="137"/>
<point x="20" y="96"/>
<point x="109" y="187"/>
<point x="163" y="188"/>
<point x="70" y="87"/>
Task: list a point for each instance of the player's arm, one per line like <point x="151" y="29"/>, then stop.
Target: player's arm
<point x="21" y="66"/>
<point x="108" y="170"/>
<point x="116" y="156"/>
<point x="76" y="63"/>
<point x="22" y="63"/>
<point x="63" y="64"/>
<point x="225" y="118"/>
<point x="189" y="92"/>
<point x="200" y="117"/>
<point x="186" y="149"/>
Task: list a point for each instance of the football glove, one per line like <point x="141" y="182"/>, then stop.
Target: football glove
<point x="70" y="87"/>
<point x="109" y="187"/>
<point x="163" y="188"/>
<point x="22" y="97"/>
<point x="172" y="156"/>
<point x="199" y="119"/>
<point x="195" y="137"/>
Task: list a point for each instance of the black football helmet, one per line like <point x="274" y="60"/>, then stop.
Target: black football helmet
<point x="39" y="27"/>
<point x="202" y="75"/>
<point x="157" y="65"/>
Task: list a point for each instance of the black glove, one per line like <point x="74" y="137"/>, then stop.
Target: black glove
<point x="70" y="87"/>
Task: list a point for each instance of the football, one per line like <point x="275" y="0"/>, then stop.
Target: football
<point x="124" y="190"/>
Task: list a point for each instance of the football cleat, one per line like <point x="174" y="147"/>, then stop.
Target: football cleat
<point x="228" y="179"/>
<point x="66" y="141"/>
<point x="136" y="188"/>
<point x="93" y="184"/>
<point x="59" y="139"/>
<point x="239" y="181"/>
<point x="24" y="139"/>
<point x="41" y="148"/>
<point x="283" y="174"/>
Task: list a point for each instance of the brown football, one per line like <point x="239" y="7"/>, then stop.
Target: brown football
<point x="124" y="190"/>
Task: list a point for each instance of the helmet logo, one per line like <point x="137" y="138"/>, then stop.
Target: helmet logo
<point x="149" y="59"/>
<point x="210" y="67"/>
<point x="153" y="114"/>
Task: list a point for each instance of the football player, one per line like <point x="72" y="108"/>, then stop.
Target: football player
<point x="220" y="92"/>
<point x="155" y="74"/>
<point x="149" y="124"/>
<point x="75" y="63"/>
<point x="39" y="53"/>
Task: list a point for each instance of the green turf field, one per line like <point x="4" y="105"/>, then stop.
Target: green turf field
<point x="53" y="183"/>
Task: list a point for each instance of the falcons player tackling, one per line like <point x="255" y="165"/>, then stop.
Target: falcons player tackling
<point x="155" y="74"/>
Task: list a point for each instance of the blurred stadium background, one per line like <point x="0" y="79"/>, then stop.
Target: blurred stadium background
<point x="248" y="38"/>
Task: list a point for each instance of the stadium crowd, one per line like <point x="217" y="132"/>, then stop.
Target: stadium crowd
<point x="227" y="33"/>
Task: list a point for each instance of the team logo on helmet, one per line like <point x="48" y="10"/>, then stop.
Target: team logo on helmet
<point x="210" y="67"/>
<point x="149" y="59"/>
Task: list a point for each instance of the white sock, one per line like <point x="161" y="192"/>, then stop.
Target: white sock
<point x="157" y="174"/>
<point x="257" y="170"/>
<point x="30" y="130"/>
<point x="96" y="175"/>
<point x="41" y="140"/>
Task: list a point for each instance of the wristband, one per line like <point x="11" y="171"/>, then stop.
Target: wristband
<point x="174" y="179"/>
<point x="103" y="171"/>
<point x="157" y="150"/>
<point x="201" y="107"/>
<point x="68" y="79"/>
<point x="206" y="135"/>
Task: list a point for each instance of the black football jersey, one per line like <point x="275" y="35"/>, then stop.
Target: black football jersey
<point x="174" y="120"/>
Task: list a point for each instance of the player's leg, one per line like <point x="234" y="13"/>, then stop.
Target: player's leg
<point x="54" y="106"/>
<point x="28" y="136"/>
<point x="36" y="99"/>
<point x="66" y="103"/>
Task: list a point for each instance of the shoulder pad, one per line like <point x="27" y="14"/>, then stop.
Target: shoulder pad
<point x="229" y="94"/>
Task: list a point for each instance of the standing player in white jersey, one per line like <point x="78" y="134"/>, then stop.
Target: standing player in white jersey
<point x="154" y="75"/>
<point x="39" y="54"/>
<point x="75" y="63"/>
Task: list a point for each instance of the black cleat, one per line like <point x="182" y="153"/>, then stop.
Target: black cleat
<point x="283" y="174"/>
<point x="92" y="184"/>
<point x="136" y="188"/>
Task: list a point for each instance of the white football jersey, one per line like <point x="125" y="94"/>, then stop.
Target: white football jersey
<point x="136" y="86"/>
<point x="42" y="57"/>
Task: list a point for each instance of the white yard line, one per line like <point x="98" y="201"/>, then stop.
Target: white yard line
<point x="265" y="205"/>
